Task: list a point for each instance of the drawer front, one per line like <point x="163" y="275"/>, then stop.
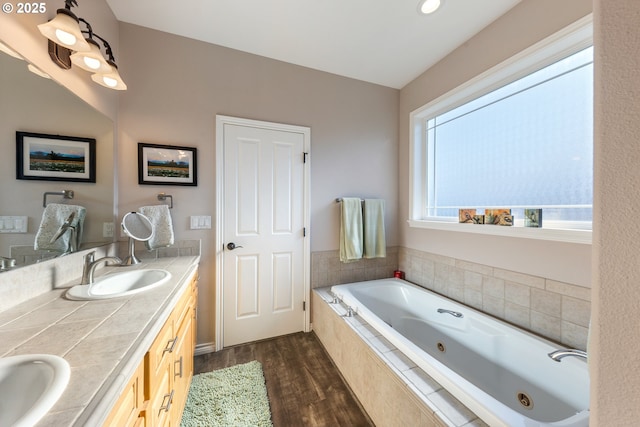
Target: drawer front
<point x="160" y="354"/>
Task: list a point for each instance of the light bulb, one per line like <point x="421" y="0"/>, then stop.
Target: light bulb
<point x="109" y="81"/>
<point x="429" y="6"/>
<point x="92" y="63"/>
<point x="66" y="38"/>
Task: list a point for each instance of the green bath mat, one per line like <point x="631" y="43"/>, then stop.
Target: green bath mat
<point x="230" y="397"/>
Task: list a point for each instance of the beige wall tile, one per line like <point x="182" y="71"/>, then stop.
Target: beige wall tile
<point x="546" y="302"/>
<point x="576" y="311"/>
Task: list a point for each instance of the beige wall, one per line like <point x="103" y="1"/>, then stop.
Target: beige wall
<point x="615" y="365"/>
<point x="178" y="85"/>
<point x="527" y="23"/>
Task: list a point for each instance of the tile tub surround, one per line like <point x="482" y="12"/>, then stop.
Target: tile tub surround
<point x="555" y="310"/>
<point x="103" y="341"/>
<point x="327" y="269"/>
<point x="390" y="387"/>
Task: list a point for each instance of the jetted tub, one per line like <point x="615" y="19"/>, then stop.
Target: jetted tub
<point x="502" y="373"/>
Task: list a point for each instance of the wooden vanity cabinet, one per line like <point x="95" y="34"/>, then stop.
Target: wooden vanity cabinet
<point x="161" y="383"/>
<point x="127" y="412"/>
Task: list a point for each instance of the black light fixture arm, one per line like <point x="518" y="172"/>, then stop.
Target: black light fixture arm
<point x="107" y="46"/>
<point x="68" y="4"/>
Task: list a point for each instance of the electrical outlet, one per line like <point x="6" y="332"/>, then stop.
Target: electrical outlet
<point x="107" y="229"/>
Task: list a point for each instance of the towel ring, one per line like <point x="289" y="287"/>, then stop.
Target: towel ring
<point x="163" y="197"/>
<point x="67" y="194"/>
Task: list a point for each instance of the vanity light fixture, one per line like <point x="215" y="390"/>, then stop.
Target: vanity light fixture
<point x="6" y="49"/>
<point x="64" y="29"/>
<point x="64" y="39"/>
<point x="37" y="71"/>
<point x="428" y="6"/>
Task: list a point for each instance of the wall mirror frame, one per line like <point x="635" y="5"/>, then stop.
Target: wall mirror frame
<point x="31" y="103"/>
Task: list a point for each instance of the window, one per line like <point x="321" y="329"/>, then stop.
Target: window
<point x="520" y="136"/>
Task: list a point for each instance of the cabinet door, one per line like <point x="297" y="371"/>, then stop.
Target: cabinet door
<point x="127" y="411"/>
<point x="161" y="401"/>
<point x="182" y="366"/>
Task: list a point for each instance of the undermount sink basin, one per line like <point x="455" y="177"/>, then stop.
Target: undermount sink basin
<point x="29" y="386"/>
<point x="120" y="284"/>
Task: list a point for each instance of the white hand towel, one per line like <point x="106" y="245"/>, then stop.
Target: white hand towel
<point x="160" y="217"/>
<point x="53" y="217"/>
<point x="351" y="230"/>
<point x="375" y="245"/>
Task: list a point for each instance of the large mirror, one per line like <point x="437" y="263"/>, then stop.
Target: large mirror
<point x="31" y="103"/>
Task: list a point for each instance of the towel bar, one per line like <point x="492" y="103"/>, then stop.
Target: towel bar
<point x="163" y="196"/>
<point x="339" y="200"/>
<point x="67" y="194"/>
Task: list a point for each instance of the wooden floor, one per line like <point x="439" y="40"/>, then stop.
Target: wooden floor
<point x="304" y="386"/>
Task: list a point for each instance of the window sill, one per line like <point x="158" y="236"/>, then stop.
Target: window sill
<point x="558" y="235"/>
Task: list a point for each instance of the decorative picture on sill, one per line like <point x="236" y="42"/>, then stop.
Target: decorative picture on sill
<point x="167" y="165"/>
<point x="466" y="215"/>
<point x="533" y="218"/>
<point x="46" y="157"/>
<point x="498" y="216"/>
<point x="478" y="219"/>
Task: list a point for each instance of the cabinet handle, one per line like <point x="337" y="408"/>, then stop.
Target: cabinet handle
<point x="170" y="345"/>
<point x="174" y="366"/>
<point x="168" y="397"/>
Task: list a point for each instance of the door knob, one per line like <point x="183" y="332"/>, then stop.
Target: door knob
<point x="231" y="246"/>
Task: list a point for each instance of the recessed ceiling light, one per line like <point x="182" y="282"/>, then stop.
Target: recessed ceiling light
<point x="428" y="6"/>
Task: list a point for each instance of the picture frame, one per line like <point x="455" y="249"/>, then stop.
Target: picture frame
<point x="47" y="157"/>
<point x="167" y="165"/>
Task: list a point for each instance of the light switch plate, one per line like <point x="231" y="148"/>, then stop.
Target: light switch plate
<point x="107" y="229"/>
<point x="200" y="222"/>
<point x="13" y="224"/>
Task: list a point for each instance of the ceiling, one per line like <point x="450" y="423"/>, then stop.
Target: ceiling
<point x="385" y="42"/>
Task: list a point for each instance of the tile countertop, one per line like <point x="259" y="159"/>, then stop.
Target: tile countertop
<point x="104" y="341"/>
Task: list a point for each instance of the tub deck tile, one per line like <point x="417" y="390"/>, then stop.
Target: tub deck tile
<point x="381" y="344"/>
<point x="451" y="407"/>
<point x="366" y="331"/>
<point x="446" y="409"/>
<point x="400" y="361"/>
<point x="423" y="382"/>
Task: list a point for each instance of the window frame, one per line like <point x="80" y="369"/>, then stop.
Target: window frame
<point x="565" y="42"/>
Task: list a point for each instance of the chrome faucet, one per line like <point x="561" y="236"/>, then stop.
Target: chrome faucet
<point x="90" y="264"/>
<point x="451" y="312"/>
<point x="558" y="355"/>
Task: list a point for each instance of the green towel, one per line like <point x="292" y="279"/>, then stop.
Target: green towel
<point x="375" y="245"/>
<point x="351" y="230"/>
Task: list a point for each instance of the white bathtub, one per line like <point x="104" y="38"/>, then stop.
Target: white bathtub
<point x="502" y="373"/>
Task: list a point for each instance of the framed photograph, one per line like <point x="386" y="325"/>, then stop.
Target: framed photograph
<point x="167" y="165"/>
<point x="55" y="157"/>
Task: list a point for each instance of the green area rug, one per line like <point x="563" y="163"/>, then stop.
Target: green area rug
<point x="230" y="397"/>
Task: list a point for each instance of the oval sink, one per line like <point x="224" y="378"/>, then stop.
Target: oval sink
<point x="29" y="386"/>
<point x="120" y="284"/>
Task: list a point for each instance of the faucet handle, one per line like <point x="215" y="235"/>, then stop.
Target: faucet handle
<point x="90" y="257"/>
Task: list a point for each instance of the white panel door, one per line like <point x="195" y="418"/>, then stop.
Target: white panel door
<point x="263" y="277"/>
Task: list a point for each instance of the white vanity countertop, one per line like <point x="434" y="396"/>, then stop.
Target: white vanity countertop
<point x="104" y="341"/>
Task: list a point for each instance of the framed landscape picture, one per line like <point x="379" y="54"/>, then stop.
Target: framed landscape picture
<point x="46" y="157"/>
<point x="167" y="165"/>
